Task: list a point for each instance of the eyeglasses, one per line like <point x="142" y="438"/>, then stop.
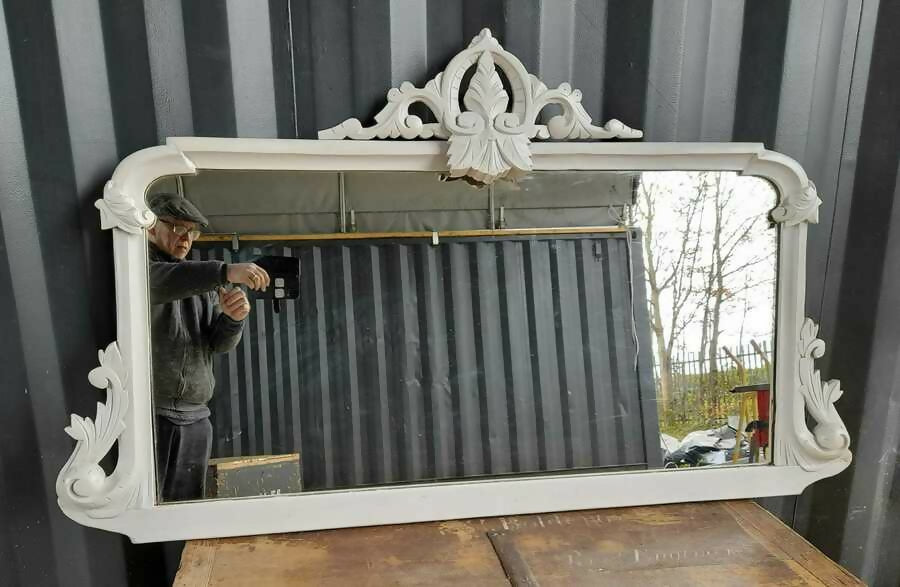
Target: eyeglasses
<point x="182" y="230"/>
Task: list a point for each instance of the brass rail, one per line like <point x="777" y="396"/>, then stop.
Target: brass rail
<point x="229" y="237"/>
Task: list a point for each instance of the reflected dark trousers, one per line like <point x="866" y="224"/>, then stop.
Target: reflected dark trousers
<point x="182" y="457"/>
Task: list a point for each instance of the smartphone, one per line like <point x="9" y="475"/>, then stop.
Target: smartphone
<point x="284" y="278"/>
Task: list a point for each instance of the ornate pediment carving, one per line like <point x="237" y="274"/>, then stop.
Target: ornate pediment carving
<point x="489" y="130"/>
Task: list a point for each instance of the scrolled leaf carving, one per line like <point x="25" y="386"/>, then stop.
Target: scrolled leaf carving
<point x="829" y="439"/>
<point x="484" y="148"/>
<point x="118" y="210"/>
<point x="487" y="141"/>
<point x="800" y="206"/>
<point x="82" y="484"/>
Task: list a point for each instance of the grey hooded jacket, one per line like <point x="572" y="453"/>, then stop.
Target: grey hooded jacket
<point x="187" y="328"/>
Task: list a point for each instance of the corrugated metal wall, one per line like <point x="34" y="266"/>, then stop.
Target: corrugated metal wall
<point x="85" y="82"/>
<point x="404" y="361"/>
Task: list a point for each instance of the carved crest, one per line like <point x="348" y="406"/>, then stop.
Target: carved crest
<point x="119" y="211"/>
<point x="489" y="139"/>
<point x="799" y="206"/>
<point x="829" y="440"/>
<point x="82" y="481"/>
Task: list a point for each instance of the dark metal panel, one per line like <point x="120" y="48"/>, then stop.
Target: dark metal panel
<point x="629" y="360"/>
<point x="380" y="416"/>
<point x="759" y="78"/>
<point x="265" y="396"/>
<point x="365" y="341"/>
<point x="521" y="32"/>
<point x="334" y="350"/>
<point x="848" y="514"/>
<point x="301" y="24"/>
<point x="25" y="532"/>
<point x="692" y="80"/>
<point x="479" y="14"/>
<point x="620" y="408"/>
<point x="168" y="69"/>
<point x="627" y="56"/>
<point x="128" y="70"/>
<point x="823" y="134"/>
<point x="421" y="362"/>
<point x="276" y="368"/>
<point x="471" y="457"/>
<point x="819" y="123"/>
<point x="253" y="56"/>
<point x="209" y="68"/>
<point x="308" y="369"/>
<point x="439" y="416"/>
<point x="282" y="68"/>
<point x="413" y="414"/>
<point x="544" y="344"/>
<point x="493" y="391"/>
<point x="43" y="232"/>
<point x="353" y="384"/>
<point x="588" y="53"/>
<point x="342" y="60"/>
<point x="645" y="366"/>
<point x="517" y="358"/>
<point x="605" y="447"/>
<point x="573" y="389"/>
<point x="370" y="40"/>
<point x="444" y="21"/>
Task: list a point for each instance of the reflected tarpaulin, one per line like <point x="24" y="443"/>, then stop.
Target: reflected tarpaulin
<point x="406" y="361"/>
<point x="308" y="202"/>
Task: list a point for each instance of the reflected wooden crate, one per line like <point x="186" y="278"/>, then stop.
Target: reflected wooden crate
<point x="250" y="476"/>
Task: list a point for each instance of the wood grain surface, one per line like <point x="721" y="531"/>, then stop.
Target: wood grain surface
<point x="696" y="544"/>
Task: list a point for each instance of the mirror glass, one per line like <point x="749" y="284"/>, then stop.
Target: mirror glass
<point x="314" y="331"/>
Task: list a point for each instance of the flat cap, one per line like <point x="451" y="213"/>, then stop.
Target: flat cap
<point x="177" y="207"/>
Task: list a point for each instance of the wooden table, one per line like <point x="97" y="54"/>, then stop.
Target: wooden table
<point x="714" y="543"/>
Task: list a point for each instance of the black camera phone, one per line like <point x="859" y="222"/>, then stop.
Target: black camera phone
<point x="284" y="279"/>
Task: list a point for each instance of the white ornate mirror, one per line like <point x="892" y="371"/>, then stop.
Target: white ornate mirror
<point x="481" y="324"/>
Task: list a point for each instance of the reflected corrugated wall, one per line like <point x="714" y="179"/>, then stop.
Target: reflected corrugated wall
<point x="405" y="361"/>
<point x="86" y="82"/>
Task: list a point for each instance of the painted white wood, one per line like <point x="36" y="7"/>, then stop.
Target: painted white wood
<point x="125" y="501"/>
<point x="468" y="499"/>
<point x="84" y="484"/>
<point x="486" y="142"/>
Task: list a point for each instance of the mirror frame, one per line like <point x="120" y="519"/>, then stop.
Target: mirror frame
<point x="125" y="501"/>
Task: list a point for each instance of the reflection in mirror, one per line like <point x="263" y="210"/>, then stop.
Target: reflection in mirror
<point x="710" y="269"/>
<point x="338" y="330"/>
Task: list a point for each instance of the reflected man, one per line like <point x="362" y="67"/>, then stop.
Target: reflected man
<point x="188" y="327"/>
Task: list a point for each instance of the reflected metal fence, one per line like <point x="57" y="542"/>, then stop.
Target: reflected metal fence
<point x="700" y="395"/>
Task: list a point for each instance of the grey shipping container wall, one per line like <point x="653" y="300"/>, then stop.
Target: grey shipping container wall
<point x="404" y="360"/>
<point x="85" y="82"/>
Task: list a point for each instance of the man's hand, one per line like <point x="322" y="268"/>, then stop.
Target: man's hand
<point x="234" y="303"/>
<point x="249" y="274"/>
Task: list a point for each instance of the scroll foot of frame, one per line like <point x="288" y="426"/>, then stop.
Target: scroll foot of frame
<point x="82" y="485"/>
<point x="829" y="440"/>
